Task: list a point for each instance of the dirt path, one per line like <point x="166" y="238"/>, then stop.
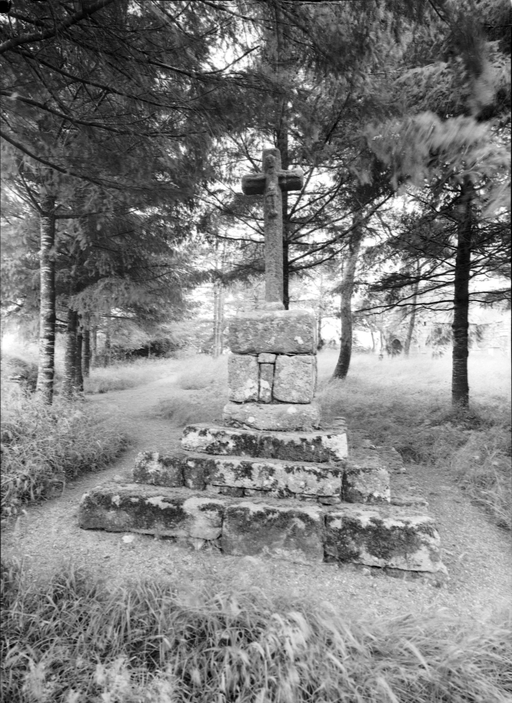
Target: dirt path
<point x="478" y="555"/>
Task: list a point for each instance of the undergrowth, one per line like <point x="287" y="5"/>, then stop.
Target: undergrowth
<point x="405" y="403"/>
<point x="73" y="640"/>
<point x="45" y="446"/>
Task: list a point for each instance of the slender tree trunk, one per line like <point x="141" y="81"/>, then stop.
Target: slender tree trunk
<point x="108" y="343"/>
<point x="86" y="357"/>
<point x="79" y="378"/>
<point x="347" y="289"/>
<point x="94" y="345"/>
<point x="70" y="355"/>
<point x="460" y="326"/>
<point x="412" y="318"/>
<point x="282" y="144"/>
<point x="47" y="314"/>
<point x="218" y="318"/>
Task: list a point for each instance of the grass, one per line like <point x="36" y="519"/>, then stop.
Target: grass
<point x="120" y="377"/>
<point x="406" y="403"/>
<point x="200" y="391"/>
<point x="72" y="640"/>
<point x="45" y="446"/>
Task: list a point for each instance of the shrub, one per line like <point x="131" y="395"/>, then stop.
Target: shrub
<point x="73" y="639"/>
<point x="44" y="446"/>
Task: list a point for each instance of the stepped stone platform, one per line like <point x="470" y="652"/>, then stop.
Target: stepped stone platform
<point x="270" y="480"/>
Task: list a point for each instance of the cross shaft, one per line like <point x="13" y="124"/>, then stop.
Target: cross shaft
<point x="271" y="184"/>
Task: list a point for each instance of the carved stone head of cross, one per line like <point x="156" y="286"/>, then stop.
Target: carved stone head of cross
<point x="271" y="184"/>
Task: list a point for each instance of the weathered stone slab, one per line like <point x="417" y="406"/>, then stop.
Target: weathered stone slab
<point x="167" y="512"/>
<point x="243" y="377"/>
<point x="365" y="479"/>
<point x="266" y="382"/>
<point x="154" y="469"/>
<point x="279" y="416"/>
<point x="317" y="446"/>
<point x="295" y="378"/>
<point x="283" y="478"/>
<point x="292" y="532"/>
<point x="274" y="331"/>
<point x="385" y="536"/>
<point x="178" y="469"/>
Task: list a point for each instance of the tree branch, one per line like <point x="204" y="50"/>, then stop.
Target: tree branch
<point x="41" y="36"/>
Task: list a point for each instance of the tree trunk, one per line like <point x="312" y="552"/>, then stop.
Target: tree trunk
<point x="86" y="357"/>
<point x="94" y="345"/>
<point x="347" y="289"/>
<point x="79" y="379"/>
<point x="108" y="343"/>
<point x="70" y="355"/>
<point x="47" y="314"/>
<point x="218" y="318"/>
<point x="460" y="326"/>
<point x="282" y="145"/>
<point x="412" y="318"/>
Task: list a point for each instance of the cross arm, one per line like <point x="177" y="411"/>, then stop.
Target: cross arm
<point x="254" y="184"/>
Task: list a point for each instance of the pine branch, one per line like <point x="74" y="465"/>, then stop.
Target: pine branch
<point x="41" y="36"/>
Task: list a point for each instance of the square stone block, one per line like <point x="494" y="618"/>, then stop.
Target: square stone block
<point x="243" y="378"/>
<point x="365" y="479"/>
<point x="384" y="536"/>
<point x="254" y="527"/>
<point x="157" y="470"/>
<point x="274" y="332"/>
<point x="295" y="378"/>
<point x="267" y="358"/>
<point x="280" y="416"/>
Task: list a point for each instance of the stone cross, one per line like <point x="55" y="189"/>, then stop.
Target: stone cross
<point x="271" y="183"/>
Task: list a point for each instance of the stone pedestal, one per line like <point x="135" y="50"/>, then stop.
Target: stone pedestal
<point x="270" y="481"/>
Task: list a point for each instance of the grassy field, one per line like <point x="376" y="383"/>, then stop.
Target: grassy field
<point x="72" y="640"/>
<point x="75" y="640"/>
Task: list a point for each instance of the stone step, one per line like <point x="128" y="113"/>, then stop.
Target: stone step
<point x="317" y="447"/>
<point x="241" y="476"/>
<point x="362" y="480"/>
<point x="284" y="529"/>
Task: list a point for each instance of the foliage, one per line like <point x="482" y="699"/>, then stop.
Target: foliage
<point x="72" y="639"/>
<point x="44" y="447"/>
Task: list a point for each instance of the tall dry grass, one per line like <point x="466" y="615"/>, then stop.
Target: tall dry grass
<point x="200" y="391"/>
<point x="45" y="446"/>
<point x="407" y="403"/>
<point x="74" y="640"/>
<point x="120" y="377"/>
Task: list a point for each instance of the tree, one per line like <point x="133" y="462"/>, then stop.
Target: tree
<point x="459" y="156"/>
<point x="101" y="109"/>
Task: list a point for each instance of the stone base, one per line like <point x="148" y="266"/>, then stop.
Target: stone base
<point x="318" y="447"/>
<point x="287" y="529"/>
<point x="166" y="512"/>
<point x="282" y="479"/>
<point x="293" y="532"/>
<point x="281" y="417"/>
<point x="365" y="479"/>
<point x="387" y="536"/>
